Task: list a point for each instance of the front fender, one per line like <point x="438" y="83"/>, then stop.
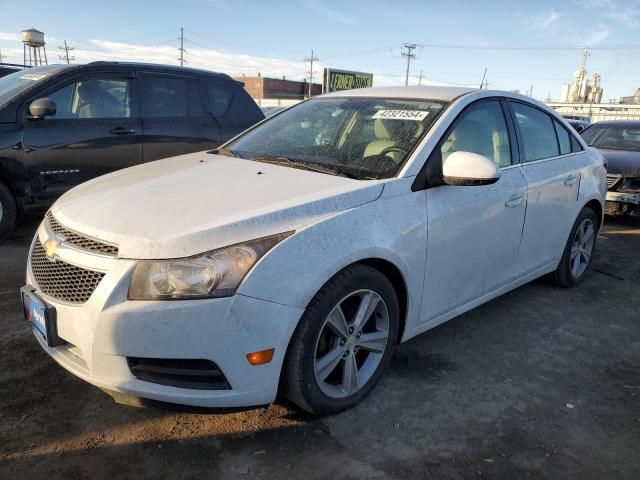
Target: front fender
<point x="392" y="229"/>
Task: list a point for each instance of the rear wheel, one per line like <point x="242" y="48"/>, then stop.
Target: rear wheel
<point x="578" y="251"/>
<point x="7" y="211"/>
<point x="343" y="343"/>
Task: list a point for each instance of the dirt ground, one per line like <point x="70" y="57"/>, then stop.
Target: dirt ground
<point x="540" y="383"/>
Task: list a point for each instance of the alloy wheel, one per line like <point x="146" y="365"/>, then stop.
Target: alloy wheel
<point x="582" y="248"/>
<point x="351" y="343"/>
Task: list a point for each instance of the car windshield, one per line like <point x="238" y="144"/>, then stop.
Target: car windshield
<point x="613" y="137"/>
<point x="363" y="138"/>
<point x="18" y="82"/>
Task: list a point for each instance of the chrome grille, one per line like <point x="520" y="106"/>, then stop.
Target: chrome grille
<point x="61" y="280"/>
<point x="612" y="181"/>
<point x="80" y="241"/>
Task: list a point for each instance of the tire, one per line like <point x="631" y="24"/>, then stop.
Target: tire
<point x="7" y="211"/>
<point x="315" y="340"/>
<point x="566" y="275"/>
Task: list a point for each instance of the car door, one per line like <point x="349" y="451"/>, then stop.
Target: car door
<point x="175" y="120"/>
<point x="473" y="231"/>
<point x="96" y="130"/>
<point x="550" y="170"/>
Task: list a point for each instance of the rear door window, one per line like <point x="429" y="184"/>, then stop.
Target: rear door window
<point x="170" y="97"/>
<point x="537" y="133"/>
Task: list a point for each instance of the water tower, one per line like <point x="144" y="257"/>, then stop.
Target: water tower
<point x="33" y="42"/>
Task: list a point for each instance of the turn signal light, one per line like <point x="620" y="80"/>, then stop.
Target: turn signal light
<point x="261" y="357"/>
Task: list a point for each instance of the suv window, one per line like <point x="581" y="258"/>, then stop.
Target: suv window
<point x="537" y="133"/>
<point x="482" y="129"/>
<point x="220" y="95"/>
<point x="93" y="98"/>
<point x="564" y="138"/>
<point x="170" y="96"/>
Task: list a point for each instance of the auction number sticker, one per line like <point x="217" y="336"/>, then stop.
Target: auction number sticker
<point x="417" y="115"/>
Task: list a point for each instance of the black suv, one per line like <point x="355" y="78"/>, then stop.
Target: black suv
<point x="61" y="125"/>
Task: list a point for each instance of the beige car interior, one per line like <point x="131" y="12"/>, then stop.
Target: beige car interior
<point x="392" y="133"/>
<point x="482" y="137"/>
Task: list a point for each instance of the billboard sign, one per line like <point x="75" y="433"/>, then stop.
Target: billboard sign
<point x="334" y="80"/>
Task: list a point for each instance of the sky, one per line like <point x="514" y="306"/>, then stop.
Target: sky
<point x="522" y="44"/>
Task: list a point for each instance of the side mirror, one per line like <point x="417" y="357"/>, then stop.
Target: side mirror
<point x="579" y="128"/>
<point x="42" y="107"/>
<point x="467" y="168"/>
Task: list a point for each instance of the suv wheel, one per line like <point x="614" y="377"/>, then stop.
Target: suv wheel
<point x="7" y="211"/>
<point x="344" y="341"/>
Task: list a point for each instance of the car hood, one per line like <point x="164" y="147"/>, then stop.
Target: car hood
<point x="187" y="205"/>
<point x="622" y="162"/>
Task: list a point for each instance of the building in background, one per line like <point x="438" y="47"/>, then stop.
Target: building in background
<point x="271" y="92"/>
<point x="633" y="100"/>
<point x="582" y="89"/>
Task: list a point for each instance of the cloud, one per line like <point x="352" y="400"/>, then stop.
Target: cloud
<point x="9" y="37"/>
<point x="553" y="16"/>
<point x="628" y="16"/>
<point x="328" y="12"/>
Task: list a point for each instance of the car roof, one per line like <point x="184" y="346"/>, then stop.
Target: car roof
<point x="146" y="66"/>
<point x="445" y="94"/>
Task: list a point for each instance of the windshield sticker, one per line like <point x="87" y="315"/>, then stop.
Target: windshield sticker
<point x="33" y="76"/>
<point x="417" y="115"/>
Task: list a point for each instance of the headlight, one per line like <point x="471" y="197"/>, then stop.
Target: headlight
<point x="213" y="274"/>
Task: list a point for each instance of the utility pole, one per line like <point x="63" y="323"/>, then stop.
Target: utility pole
<point x="531" y="91"/>
<point x="420" y="78"/>
<point x="409" y="54"/>
<point x="311" y="59"/>
<point x="484" y="75"/>
<point x="181" y="49"/>
<point x="0" y="57"/>
<point x="65" y="56"/>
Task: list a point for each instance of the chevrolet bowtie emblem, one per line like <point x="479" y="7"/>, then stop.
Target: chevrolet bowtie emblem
<point x="52" y="249"/>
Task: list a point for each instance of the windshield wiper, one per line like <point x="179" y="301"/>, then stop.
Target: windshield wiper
<point x="314" y="167"/>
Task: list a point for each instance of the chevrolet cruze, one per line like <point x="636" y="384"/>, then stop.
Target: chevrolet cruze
<point x="297" y="256"/>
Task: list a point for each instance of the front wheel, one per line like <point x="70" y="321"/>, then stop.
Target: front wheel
<point x="344" y="342"/>
<point x="578" y="252"/>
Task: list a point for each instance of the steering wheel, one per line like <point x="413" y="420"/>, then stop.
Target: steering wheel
<point x="393" y="149"/>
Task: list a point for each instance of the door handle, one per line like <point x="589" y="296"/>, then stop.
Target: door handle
<point x="122" y="131"/>
<point x="514" y="201"/>
<point x="570" y="180"/>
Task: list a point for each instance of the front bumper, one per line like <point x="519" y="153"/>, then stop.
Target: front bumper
<point x="103" y="332"/>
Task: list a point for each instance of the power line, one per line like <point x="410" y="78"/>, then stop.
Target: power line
<point x="311" y="59"/>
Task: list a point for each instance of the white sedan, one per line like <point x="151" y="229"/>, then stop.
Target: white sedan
<point x="296" y="257"/>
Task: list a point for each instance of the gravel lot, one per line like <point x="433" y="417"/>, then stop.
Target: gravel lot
<point x="542" y="382"/>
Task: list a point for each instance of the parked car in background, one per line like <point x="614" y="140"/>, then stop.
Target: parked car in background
<point x="619" y="142"/>
<point x="578" y="125"/>
<point x="61" y="125"/>
<point x="300" y="253"/>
